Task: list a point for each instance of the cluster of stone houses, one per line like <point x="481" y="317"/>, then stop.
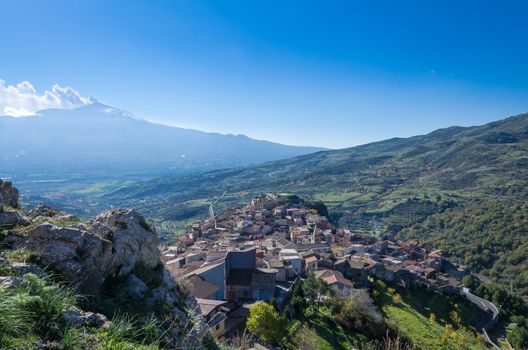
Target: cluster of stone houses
<point x="257" y="252"/>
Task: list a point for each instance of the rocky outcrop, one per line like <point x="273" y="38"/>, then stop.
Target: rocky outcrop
<point x="9" y="194"/>
<point x="9" y="198"/>
<point x="12" y="218"/>
<point x="111" y="245"/>
<point x="47" y="211"/>
<point x="114" y="255"/>
<point x="74" y="317"/>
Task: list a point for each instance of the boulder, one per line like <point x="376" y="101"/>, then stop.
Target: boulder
<point x="112" y="245"/>
<point x="76" y="318"/>
<point x="12" y="218"/>
<point x="49" y="212"/>
<point x="135" y="287"/>
<point x="43" y="210"/>
<point x="9" y="194"/>
<point x="179" y="316"/>
<point x="163" y="294"/>
<point x="134" y="240"/>
<point x="196" y="335"/>
<point x="20" y="268"/>
<point x="9" y="282"/>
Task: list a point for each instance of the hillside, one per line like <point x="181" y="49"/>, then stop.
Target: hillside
<point x="100" y="141"/>
<point x="399" y="185"/>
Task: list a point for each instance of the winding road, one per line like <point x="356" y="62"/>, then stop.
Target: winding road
<point x="487" y="318"/>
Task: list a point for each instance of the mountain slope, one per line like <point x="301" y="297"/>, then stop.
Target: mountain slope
<point x="432" y="187"/>
<point x="362" y="182"/>
<point x="101" y="141"/>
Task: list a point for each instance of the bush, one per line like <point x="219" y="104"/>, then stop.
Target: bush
<point x="14" y="319"/>
<point x="306" y="338"/>
<point x="358" y="312"/>
<point x="73" y="339"/>
<point x="6" y="270"/>
<point x="518" y="337"/>
<point x="45" y="300"/>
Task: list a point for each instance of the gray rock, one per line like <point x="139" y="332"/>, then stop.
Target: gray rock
<point x="49" y="212"/>
<point x="167" y="280"/>
<point x="179" y="316"/>
<point x="23" y="268"/>
<point x="135" y="287"/>
<point x="12" y="218"/>
<point x="9" y="281"/>
<point x="196" y="335"/>
<point x="112" y="245"/>
<point x="133" y="242"/>
<point x="96" y="320"/>
<point x="9" y="194"/>
<point x="43" y="210"/>
<point x="74" y="317"/>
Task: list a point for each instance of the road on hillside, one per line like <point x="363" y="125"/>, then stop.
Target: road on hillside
<point x="487" y="316"/>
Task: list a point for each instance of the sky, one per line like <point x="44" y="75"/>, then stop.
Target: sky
<point x="321" y="73"/>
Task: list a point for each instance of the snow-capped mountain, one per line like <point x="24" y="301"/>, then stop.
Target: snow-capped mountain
<point x="100" y="140"/>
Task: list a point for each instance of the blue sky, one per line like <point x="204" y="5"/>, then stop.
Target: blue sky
<point x="324" y="73"/>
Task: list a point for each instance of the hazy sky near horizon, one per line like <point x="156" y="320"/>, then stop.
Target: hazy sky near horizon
<point x="321" y="73"/>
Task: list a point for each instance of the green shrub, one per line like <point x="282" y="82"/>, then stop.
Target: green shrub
<point x="15" y="320"/>
<point x="126" y="332"/>
<point x="46" y="300"/>
<point x="123" y="327"/>
<point x="73" y="339"/>
<point x="6" y="270"/>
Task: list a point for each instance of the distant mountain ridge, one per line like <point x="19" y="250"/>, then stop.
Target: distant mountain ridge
<point x="464" y="189"/>
<point x="491" y="158"/>
<point x="97" y="140"/>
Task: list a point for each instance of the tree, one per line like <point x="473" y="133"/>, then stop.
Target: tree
<point x="298" y="300"/>
<point x="265" y="323"/>
<point x="313" y="288"/>
<point x="470" y="282"/>
<point x="455" y="317"/>
<point x="519" y="337"/>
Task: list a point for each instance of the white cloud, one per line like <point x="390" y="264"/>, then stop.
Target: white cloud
<point x="23" y="99"/>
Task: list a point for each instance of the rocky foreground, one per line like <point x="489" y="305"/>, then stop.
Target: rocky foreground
<point x="110" y="265"/>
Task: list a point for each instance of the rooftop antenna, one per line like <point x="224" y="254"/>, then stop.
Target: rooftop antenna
<point x="211" y="210"/>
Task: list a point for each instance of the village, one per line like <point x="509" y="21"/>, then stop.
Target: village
<point x="257" y="253"/>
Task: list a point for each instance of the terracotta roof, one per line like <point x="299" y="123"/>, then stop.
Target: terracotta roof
<point x="337" y="278"/>
<point x="310" y="259"/>
<point x="323" y="273"/>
